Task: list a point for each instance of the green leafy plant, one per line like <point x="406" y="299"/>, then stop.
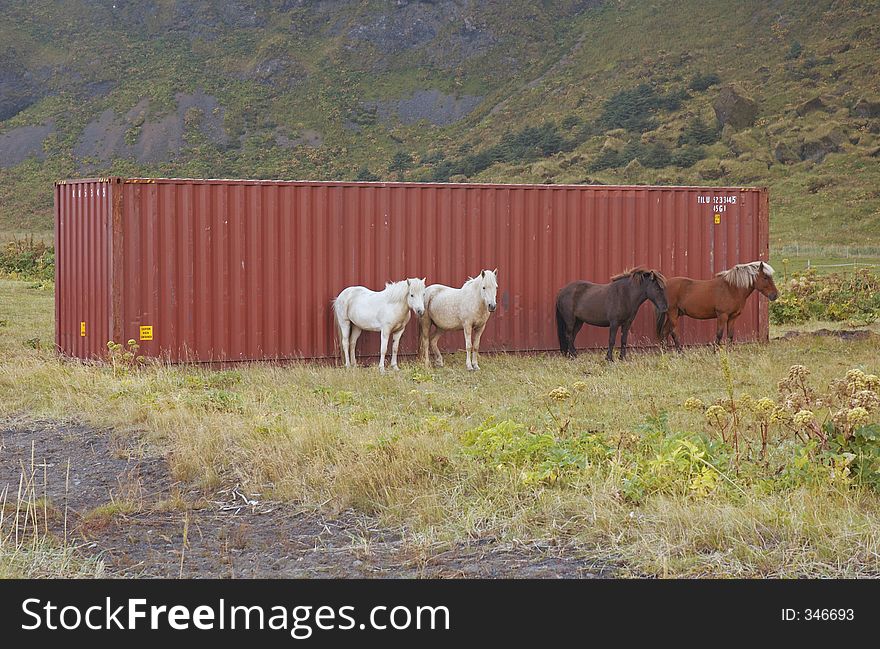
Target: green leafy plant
<point x="830" y="435"/>
<point x="537" y="457"/>
<point x="659" y="461"/>
<point x="27" y="259"/>
<point x="853" y="297"/>
<point x="124" y="358"/>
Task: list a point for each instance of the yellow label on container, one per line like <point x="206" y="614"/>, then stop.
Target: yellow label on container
<point x="82" y="328"/>
<point x="146" y="332"/>
<point x="717" y="219"/>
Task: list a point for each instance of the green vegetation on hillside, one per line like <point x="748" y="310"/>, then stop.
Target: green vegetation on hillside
<point x="565" y="92"/>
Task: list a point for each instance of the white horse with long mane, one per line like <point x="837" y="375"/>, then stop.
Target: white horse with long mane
<point x="358" y="309"/>
<point x="449" y="309"/>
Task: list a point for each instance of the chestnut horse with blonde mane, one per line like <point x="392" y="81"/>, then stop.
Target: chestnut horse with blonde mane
<point x="722" y="297"/>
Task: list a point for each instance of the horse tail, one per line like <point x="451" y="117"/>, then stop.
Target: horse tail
<point x="562" y="331"/>
<point x="661" y="322"/>
<point x="335" y="307"/>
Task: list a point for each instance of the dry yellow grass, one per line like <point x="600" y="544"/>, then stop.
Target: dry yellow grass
<point x="390" y="445"/>
<point x="27" y="547"/>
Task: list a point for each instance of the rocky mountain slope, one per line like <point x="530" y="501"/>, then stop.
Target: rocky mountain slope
<point x="781" y="93"/>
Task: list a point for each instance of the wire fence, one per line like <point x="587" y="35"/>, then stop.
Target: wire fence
<point x="826" y="251"/>
<point x="831" y="258"/>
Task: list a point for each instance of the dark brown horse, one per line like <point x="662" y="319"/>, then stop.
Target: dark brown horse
<point x="613" y="305"/>
<point x="722" y="297"/>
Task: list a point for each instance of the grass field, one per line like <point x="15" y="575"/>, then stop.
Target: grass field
<point x="592" y="464"/>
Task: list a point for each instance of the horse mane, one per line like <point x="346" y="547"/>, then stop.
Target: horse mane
<point x="396" y="290"/>
<point x="743" y="275"/>
<point x="636" y="274"/>
<point x="474" y="279"/>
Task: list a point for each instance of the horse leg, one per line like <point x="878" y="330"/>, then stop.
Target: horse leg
<point x="344" y="331"/>
<point x="612" y="338"/>
<point x="467" y="346"/>
<point x="395" y="343"/>
<point x="435" y="337"/>
<point x="573" y="331"/>
<point x="352" y="346"/>
<point x="671" y="329"/>
<point x="475" y="354"/>
<point x="424" y="338"/>
<point x="383" y="349"/>
<point x="624" y="332"/>
<point x="719" y="328"/>
<point x="730" y="322"/>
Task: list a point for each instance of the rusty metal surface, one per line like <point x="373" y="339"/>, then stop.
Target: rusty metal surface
<point x="82" y="266"/>
<point x="245" y="270"/>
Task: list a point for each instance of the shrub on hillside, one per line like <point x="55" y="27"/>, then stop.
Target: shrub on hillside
<point x="528" y="144"/>
<point x="365" y="174"/>
<point x="688" y="156"/>
<point x="702" y="82"/>
<point x="653" y="156"/>
<point x="633" y="109"/>
<point x="698" y="132"/>
<point x="400" y="162"/>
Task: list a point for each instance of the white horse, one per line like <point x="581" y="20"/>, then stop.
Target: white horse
<point x="359" y="309"/>
<point x="451" y="309"/>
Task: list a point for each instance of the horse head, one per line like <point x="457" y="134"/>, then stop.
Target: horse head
<point x="764" y="283"/>
<point x="489" y="288"/>
<point x="654" y="284"/>
<point x="415" y="298"/>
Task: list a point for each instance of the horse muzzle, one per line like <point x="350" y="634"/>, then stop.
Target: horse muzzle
<point x="420" y="312"/>
<point x="491" y="307"/>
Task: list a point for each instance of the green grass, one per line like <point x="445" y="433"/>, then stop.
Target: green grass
<point x="395" y="446"/>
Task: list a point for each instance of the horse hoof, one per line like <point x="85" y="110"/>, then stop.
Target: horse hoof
<point x="395" y="368"/>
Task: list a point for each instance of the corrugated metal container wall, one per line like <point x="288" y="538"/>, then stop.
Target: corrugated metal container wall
<point x="216" y="270"/>
<point x="83" y="243"/>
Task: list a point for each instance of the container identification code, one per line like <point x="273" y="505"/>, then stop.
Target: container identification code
<point x="718" y="203"/>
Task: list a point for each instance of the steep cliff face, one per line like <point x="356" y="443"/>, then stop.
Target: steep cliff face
<point x="687" y="92"/>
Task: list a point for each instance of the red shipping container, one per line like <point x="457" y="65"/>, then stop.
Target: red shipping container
<point x="223" y="270"/>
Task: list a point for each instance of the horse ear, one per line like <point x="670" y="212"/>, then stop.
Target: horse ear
<point x="407" y="282"/>
<point x="424" y="280"/>
<point x="495" y="272"/>
<point x="482" y="273"/>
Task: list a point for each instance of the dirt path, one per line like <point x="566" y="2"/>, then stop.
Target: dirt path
<point x="119" y="502"/>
